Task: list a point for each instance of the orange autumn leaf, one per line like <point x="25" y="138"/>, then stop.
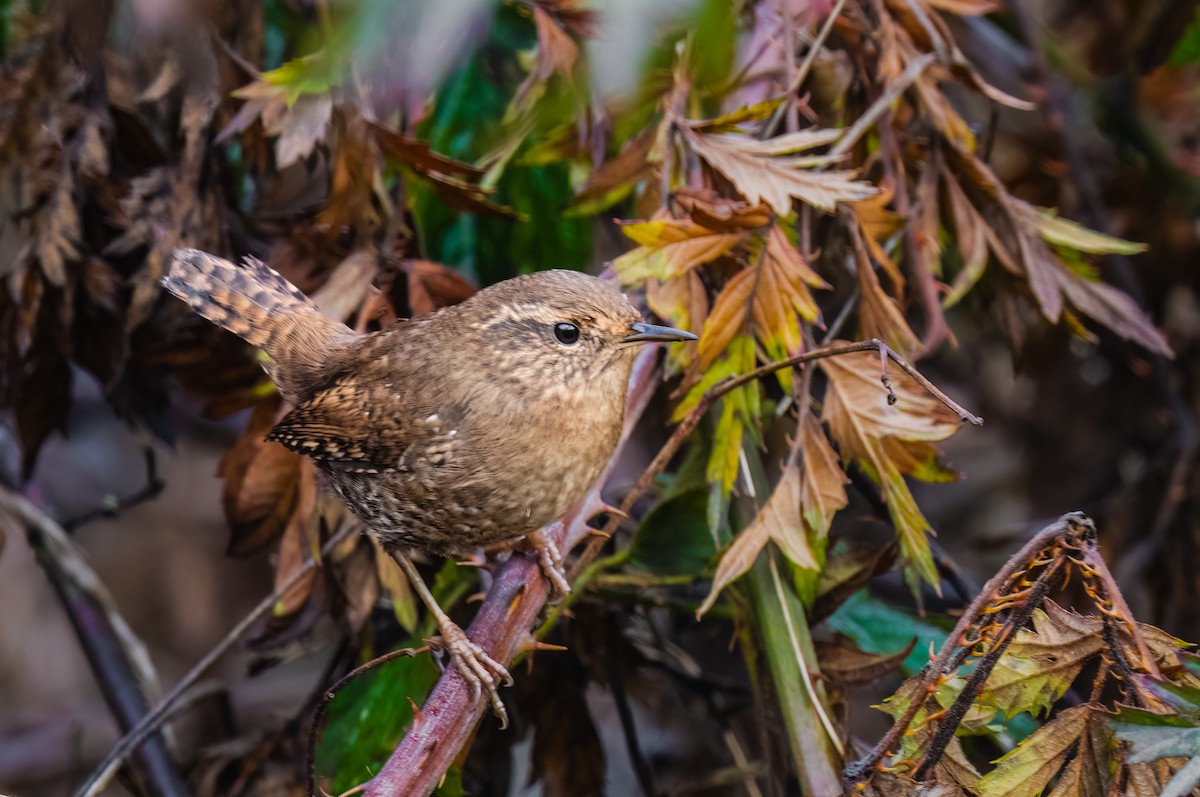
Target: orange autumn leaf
<point x="668" y="248"/>
<point x="867" y="429"/>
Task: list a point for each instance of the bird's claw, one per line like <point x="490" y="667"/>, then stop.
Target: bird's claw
<point x="551" y="561"/>
<point x="477" y="668"/>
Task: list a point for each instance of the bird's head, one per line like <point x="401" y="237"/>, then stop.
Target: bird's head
<point x="562" y="328"/>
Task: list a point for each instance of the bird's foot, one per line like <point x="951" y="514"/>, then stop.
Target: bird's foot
<point x="478" y="669"/>
<point x="551" y="561"/>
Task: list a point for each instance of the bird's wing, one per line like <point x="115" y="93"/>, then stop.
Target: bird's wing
<point x="352" y="426"/>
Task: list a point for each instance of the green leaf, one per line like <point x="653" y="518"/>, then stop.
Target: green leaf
<point x="368" y="718"/>
<point x="879" y="628"/>
<point x="1187" y="51"/>
<point x="1027" y="769"/>
<point x="674" y="537"/>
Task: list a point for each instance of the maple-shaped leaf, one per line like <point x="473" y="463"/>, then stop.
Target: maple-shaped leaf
<point x="865" y="425"/>
<point x="1040" y="757"/>
<point x="762" y="174"/>
<point x="798" y="513"/>
<point x="670" y="247"/>
<point x="1041" y="664"/>
<point x="769" y="300"/>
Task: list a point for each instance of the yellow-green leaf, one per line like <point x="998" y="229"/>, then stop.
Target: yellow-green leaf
<point x="1041" y="664"/>
<point x="1028" y="769"/>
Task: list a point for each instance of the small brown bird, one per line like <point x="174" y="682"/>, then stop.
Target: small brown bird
<point x="468" y="427"/>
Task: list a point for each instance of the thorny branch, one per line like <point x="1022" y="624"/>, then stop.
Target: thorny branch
<point x="1003" y="608"/>
<point x="944" y="662"/>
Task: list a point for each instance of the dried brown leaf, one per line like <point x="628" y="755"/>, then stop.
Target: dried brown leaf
<point x="1034" y="763"/>
<point x="262" y="485"/>
<point x="616" y="177"/>
<point x="970" y="237"/>
<point x="419" y="154"/>
<point x="879" y="316"/>
<point x="710" y="209"/>
<point x="432" y="286"/>
<point x="847" y="664"/>
<point x="299" y="542"/>
<point x="823" y="491"/>
<point x="861" y="421"/>
<point x="774" y="180"/>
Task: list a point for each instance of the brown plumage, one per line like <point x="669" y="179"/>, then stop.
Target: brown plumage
<point x="471" y="426"/>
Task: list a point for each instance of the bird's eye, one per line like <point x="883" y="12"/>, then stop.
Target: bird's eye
<point x="567" y="334"/>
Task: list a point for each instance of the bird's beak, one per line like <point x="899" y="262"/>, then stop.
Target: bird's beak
<point x="645" y="333"/>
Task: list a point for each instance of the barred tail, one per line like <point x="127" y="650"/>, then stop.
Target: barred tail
<point x="257" y="304"/>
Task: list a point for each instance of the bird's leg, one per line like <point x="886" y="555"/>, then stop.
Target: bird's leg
<point x="551" y="561"/>
<point x="476" y="667"/>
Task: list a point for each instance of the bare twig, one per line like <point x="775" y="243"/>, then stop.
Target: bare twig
<point x="118" y="658"/>
<point x="103" y="774"/>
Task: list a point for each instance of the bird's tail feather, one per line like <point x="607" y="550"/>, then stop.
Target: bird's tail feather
<point x="256" y="303"/>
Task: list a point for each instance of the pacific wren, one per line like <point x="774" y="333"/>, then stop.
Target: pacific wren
<point x="471" y="426"/>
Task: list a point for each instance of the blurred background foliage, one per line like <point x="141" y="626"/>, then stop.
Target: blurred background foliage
<point x="963" y="179"/>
